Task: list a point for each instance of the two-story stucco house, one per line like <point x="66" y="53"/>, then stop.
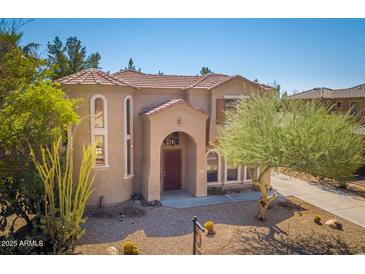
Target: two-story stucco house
<point x="155" y="133"/>
<point x="343" y="100"/>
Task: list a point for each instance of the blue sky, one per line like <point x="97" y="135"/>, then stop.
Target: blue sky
<point x="297" y="53"/>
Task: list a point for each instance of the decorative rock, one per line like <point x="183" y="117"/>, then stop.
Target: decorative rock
<point x="111" y="250"/>
<point x="154" y="203"/>
<point x="137" y="196"/>
<point x="335" y="224"/>
<point x="138" y="202"/>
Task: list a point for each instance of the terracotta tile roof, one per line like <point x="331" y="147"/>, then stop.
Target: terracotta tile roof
<point x="165" y="105"/>
<point x="353" y="92"/>
<point x="207" y="81"/>
<point x="92" y="77"/>
<point x="142" y="80"/>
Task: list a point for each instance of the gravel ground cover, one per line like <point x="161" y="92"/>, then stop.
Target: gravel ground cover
<point x="289" y="229"/>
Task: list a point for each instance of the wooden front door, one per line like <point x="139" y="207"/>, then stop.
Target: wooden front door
<point x="172" y="170"/>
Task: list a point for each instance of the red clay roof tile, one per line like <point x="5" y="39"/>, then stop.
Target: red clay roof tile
<point x="165" y="105"/>
<point x="316" y="93"/>
<point x="92" y="77"/>
<point x="141" y="80"/>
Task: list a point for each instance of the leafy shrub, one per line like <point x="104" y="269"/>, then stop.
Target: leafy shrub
<point x="130" y="248"/>
<point x="33" y="110"/>
<point x="317" y="219"/>
<point x="209" y="226"/>
<point x="64" y="201"/>
<point x="216" y="191"/>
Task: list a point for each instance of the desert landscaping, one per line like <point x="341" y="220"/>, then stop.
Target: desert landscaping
<point x="288" y="229"/>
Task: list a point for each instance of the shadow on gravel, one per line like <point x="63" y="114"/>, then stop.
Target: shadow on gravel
<point x="114" y="224"/>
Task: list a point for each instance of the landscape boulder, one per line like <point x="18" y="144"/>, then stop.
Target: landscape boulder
<point x="335" y="224"/>
<point x="111" y="250"/>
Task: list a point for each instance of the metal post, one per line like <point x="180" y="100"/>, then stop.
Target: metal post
<point x="194" y="234"/>
<point x="196" y="225"/>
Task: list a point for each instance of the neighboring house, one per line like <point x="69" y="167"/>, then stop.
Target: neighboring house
<point x="155" y="133"/>
<point x="343" y="100"/>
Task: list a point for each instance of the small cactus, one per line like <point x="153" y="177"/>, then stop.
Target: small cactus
<point x="130" y="248"/>
<point x="209" y="226"/>
<point x="317" y="219"/>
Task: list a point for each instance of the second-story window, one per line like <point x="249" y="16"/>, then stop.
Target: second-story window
<point x="230" y="105"/>
<point x="128" y="136"/>
<point x="339" y="104"/>
<point x="355" y="108"/>
<point x="227" y="104"/>
<point x="99" y="129"/>
<point x="99" y="113"/>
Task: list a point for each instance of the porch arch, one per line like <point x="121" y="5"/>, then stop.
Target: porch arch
<point x="178" y="118"/>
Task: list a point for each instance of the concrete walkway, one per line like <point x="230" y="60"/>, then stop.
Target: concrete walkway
<point x="182" y="199"/>
<point x="340" y="203"/>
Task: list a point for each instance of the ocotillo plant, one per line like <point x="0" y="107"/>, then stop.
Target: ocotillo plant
<point x="65" y="200"/>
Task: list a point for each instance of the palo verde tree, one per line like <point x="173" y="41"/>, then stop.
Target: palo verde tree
<point x="307" y="138"/>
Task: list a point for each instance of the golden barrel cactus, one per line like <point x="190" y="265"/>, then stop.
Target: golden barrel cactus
<point x="209" y="226"/>
<point x="130" y="248"/>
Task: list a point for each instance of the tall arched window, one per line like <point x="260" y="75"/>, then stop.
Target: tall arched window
<point x="99" y="129"/>
<point x="128" y="136"/>
<point x="213" y="167"/>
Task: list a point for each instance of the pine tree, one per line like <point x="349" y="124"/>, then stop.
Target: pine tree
<point x="76" y="53"/>
<point x="205" y="70"/>
<point x="57" y="57"/>
<point x="93" y="61"/>
<point x="131" y="65"/>
<point x="70" y="58"/>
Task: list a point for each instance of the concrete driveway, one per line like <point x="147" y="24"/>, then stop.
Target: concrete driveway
<point x="340" y="203"/>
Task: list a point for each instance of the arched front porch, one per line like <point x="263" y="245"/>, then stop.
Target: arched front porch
<point x="170" y="165"/>
<point x="178" y="162"/>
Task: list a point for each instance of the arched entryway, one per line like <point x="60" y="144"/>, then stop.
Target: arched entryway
<point x="178" y="162"/>
<point x="163" y="124"/>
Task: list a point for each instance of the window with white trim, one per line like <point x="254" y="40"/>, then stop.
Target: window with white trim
<point x="128" y="136"/>
<point x="251" y="173"/>
<point x="213" y="166"/>
<point x="231" y="101"/>
<point x="355" y="108"/>
<point x="99" y="129"/>
<point x="232" y="173"/>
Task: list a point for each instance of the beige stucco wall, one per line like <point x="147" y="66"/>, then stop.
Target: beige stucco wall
<point x="234" y="87"/>
<point x="148" y="134"/>
<point x="110" y="181"/>
<point x="142" y="99"/>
